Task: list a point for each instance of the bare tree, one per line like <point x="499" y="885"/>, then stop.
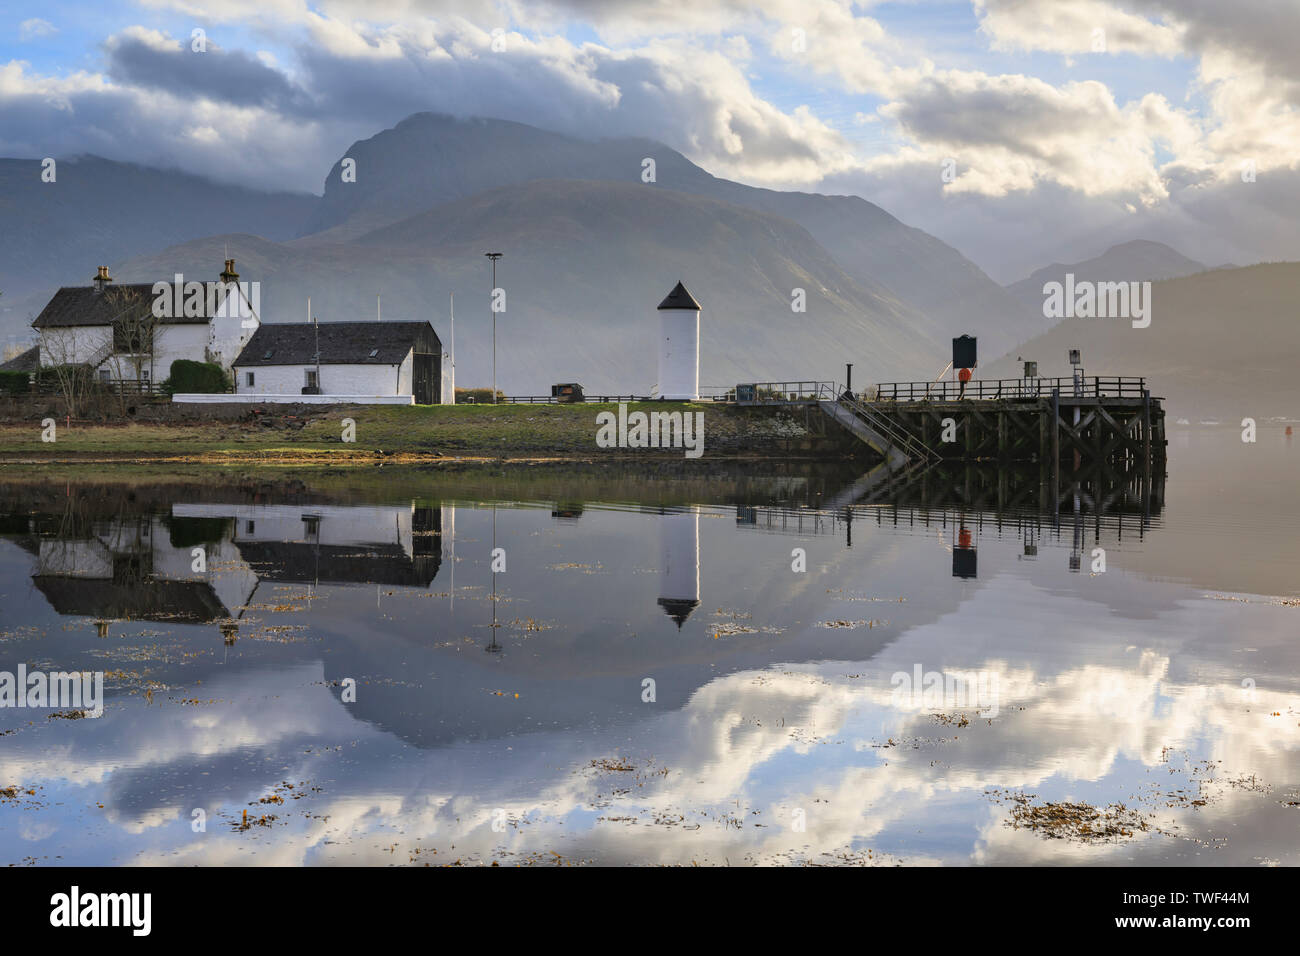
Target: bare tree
<point x="64" y="348"/>
<point x="136" y="333"/>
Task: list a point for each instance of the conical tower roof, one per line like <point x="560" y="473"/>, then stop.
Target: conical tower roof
<point x="679" y="298"/>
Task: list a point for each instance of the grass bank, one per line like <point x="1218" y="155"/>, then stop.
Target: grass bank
<point x="411" y="434"/>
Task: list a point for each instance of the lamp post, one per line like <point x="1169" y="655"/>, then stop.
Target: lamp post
<point x="494" y="256"/>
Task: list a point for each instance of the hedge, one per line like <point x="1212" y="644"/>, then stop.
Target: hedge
<point x="190" y="376"/>
<point x="15" y="383"/>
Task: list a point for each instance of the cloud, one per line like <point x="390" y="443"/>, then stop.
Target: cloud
<point x="690" y="75"/>
<point x="35" y="28"/>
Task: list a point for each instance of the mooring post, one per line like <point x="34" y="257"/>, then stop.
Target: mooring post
<point x="1056" y="449"/>
<point x="1146" y="451"/>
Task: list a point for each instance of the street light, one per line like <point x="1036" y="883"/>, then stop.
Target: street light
<point x="494" y="256"/>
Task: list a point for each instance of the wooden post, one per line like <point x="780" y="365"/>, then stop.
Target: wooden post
<point x="1056" y="449"/>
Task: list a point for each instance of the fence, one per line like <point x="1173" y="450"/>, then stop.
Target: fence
<point x="1095" y="386"/>
<point x="564" y="399"/>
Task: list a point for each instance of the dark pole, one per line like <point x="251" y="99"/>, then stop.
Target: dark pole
<point x="494" y="256"/>
<point x="848" y="377"/>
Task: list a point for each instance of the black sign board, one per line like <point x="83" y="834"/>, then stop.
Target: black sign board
<point x="963" y="351"/>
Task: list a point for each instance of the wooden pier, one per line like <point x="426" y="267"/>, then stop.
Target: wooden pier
<point x="1059" y="424"/>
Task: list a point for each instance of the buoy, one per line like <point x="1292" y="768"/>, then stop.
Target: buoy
<point x="964" y="374"/>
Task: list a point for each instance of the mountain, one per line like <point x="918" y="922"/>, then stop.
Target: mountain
<point x="1138" y="260"/>
<point x="98" y="212"/>
<point x="1221" y="344"/>
<point x="880" y="292"/>
<point x="428" y="159"/>
<point x="587" y="265"/>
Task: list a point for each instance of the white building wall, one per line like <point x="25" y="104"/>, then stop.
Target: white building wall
<point x="74" y="345"/>
<point x="335" y="524"/>
<point x="405" y="375"/>
<point x="172" y="342"/>
<point x="334" y="379"/>
<point x="90" y="343"/>
<point x="228" y="334"/>
<point x="679" y="354"/>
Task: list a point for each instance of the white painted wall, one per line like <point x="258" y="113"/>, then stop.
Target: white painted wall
<point x="228" y="334"/>
<point x="334" y="379"/>
<point x="336" y="524"/>
<point x="88" y="343"/>
<point x="679" y="354"/>
<point x="74" y="345"/>
<point x="172" y="342"/>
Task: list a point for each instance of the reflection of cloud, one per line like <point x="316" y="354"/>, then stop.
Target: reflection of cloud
<point x="770" y="741"/>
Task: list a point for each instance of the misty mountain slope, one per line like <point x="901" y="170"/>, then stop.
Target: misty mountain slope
<point x="588" y="263"/>
<point x="1222" y="344"/>
<point x="428" y="159"/>
<point x="98" y="211"/>
<point x="1138" y="260"/>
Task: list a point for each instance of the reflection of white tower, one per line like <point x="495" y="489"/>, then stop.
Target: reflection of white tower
<point x="679" y="346"/>
<point x="679" y="594"/>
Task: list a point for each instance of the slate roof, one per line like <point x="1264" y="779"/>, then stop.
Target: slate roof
<point x="341" y="343"/>
<point x="679" y="298"/>
<point x="82" y="305"/>
<point x="335" y="563"/>
<point x="157" y="599"/>
<point x="28" y="361"/>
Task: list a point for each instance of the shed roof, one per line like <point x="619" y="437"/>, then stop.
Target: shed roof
<point x="28" y="361"/>
<point x="679" y="298"/>
<point x="341" y="343"/>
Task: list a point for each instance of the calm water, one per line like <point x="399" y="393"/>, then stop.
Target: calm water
<point x="506" y="717"/>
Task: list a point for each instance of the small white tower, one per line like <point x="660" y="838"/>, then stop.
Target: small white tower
<point x="679" y="346"/>
<point x="679" y="591"/>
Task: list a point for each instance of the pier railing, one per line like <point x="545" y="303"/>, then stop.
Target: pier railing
<point x="1090" y="386"/>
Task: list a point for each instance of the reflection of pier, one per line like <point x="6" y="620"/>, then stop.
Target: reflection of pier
<point x="965" y="499"/>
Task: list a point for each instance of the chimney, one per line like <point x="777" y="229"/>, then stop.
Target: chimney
<point x="102" y="279"/>
<point x="230" y="275"/>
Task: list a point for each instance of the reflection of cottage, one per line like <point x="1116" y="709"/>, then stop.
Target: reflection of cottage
<point x="398" y="544"/>
<point x="138" y="568"/>
<point x="359" y="361"/>
<point x="114" y="330"/>
<point x="679" y="532"/>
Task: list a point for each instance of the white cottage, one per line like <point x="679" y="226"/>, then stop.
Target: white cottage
<point x="121" y="333"/>
<point x="350" y="361"/>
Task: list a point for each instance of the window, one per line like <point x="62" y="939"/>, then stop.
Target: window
<point x="105" y="375"/>
<point x="249" y="527"/>
<point x="248" y="379"/>
<point x="144" y="375"/>
<point x="311" y="377"/>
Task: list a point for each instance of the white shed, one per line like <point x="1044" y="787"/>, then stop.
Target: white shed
<point x="356" y="360"/>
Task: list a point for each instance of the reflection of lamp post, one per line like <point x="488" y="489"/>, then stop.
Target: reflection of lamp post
<point x="494" y="256"/>
<point x="493" y="647"/>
